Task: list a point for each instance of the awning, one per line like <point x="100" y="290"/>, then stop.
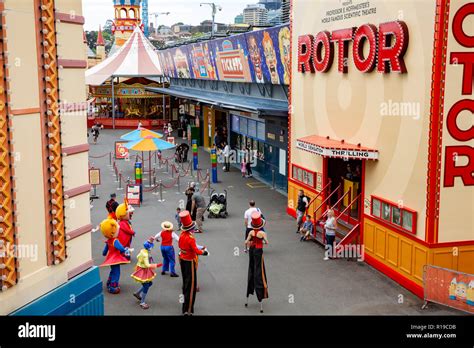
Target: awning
<point x="137" y="57"/>
<point x="242" y="103"/>
<point x="324" y="146"/>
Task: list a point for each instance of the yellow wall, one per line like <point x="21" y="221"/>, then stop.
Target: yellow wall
<point x="408" y="257"/>
<point x="293" y="190"/>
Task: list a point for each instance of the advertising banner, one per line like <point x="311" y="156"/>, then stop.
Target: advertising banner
<point x="121" y="152"/>
<point x="449" y="288"/>
<point x="261" y="56"/>
<point x="133" y="194"/>
<point x="94" y="176"/>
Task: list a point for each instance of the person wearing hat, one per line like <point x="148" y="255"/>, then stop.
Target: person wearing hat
<point x="167" y="250"/>
<point x="144" y="273"/>
<point x="115" y="254"/>
<point x="188" y="254"/>
<point x="111" y="206"/>
<point x="126" y="233"/>
<point x="257" y="277"/>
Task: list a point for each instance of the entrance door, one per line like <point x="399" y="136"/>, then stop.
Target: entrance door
<point x="345" y="175"/>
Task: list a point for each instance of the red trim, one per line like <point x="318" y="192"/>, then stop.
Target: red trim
<point x="77" y="191"/>
<point x="291" y="212"/>
<point x="453" y="244"/>
<point x="73" y="63"/>
<point x="303" y="186"/>
<point x="391" y="273"/>
<point x="79" y="232"/>
<point x="68" y="18"/>
<point x="394" y="228"/>
<point x="74" y="150"/>
<point x="436" y="120"/>
<point x="28" y="111"/>
<point x="79" y="269"/>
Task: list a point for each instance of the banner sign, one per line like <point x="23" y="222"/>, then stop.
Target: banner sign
<point x="261" y="56"/>
<point x="121" y="152"/>
<point x="94" y="176"/>
<point x="336" y="153"/>
<point x="133" y="194"/>
<point x="449" y="288"/>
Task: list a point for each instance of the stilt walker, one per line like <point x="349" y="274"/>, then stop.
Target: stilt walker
<point x="187" y="260"/>
<point x="257" y="276"/>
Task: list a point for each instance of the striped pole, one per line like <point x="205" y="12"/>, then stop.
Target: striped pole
<point x="195" y="154"/>
<point x="214" y="165"/>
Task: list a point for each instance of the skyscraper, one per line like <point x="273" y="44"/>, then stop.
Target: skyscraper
<point x="256" y="14"/>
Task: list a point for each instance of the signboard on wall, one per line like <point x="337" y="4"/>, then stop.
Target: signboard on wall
<point x="133" y="194"/>
<point x="121" y="152"/>
<point x="94" y="176"/>
<point x="261" y="56"/>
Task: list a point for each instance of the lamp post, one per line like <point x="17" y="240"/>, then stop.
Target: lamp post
<point x="214" y="10"/>
<point x="156" y="14"/>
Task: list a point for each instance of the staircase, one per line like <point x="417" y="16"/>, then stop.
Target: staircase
<point x="348" y="228"/>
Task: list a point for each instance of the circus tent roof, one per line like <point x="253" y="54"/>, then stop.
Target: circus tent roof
<point x="137" y="57"/>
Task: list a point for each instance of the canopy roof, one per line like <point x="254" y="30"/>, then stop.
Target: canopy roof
<point x="137" y="57"/>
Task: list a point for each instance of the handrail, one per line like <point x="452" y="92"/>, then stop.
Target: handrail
<point x="335" y="204"/>
<point x="319" y="194"/>
<point x="350" y="204"/>
<point x="349" y="237"/>
<point x="323" y="202"/>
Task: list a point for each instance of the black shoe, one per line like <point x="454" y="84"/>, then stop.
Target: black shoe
<point x="163" y="273"/>
<point x="174" y="275"/>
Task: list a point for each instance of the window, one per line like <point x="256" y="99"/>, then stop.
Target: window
<point x="252" y="128"/>
<point x="243" y="125"/>
<point x="304" y="176"/>
<point x="394" y="214"/>
<point x="235" y="123"/>
<point x="261" y="130"/>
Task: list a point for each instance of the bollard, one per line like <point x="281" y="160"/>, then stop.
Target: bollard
<point x="179" y="185"/>
<point x="192" y="170"/>
<point x="117" y="177"/>
<point x="161" y="192"/>
<point x="208" y="183"/>
<point x="273" y="179"/>
<point x="110" y="159"/>
<point x="120" y="182"/>
<point x="167" y="166"/>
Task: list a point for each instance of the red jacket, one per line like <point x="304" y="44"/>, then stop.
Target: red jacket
<point x="188" y="247"/>
<point x="126" y="233"/>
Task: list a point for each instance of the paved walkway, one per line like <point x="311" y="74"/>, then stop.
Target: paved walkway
<point x="300" y="282"/>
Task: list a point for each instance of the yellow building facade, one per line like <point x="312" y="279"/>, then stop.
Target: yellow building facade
<point x="376" y="101"/>
<point x="46" y="261"/>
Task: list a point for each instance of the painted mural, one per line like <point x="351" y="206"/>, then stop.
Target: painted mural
<point x="261" y="56"/>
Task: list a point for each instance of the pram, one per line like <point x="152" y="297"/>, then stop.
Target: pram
<point x="217" y="207"/>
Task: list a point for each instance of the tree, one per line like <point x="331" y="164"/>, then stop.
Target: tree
<point x="91" y="37"/>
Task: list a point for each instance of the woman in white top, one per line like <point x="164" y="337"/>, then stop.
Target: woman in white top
<point x="330" y="227"/>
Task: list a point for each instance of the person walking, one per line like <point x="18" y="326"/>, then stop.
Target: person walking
<point x="167" y="250"/>
<point x="189" y="202"/>
<point x="257" y="277"/>
<point x="248" y="218"/>
<point x="248" y="162"/>
<point x="330" y="227"/>
<point x="199" y="203"/>
<point x="188" y="255"/>
<point x="302" y="205"/>
<point x="226" y="154"/>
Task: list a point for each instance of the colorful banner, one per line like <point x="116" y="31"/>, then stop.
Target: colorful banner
<point x="449" y="288"/>
<point x="121" y="152"/>
<point x="261" y="56"/>
<point x="134" y="194"/>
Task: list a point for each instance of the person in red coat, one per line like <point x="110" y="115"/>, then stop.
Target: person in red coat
<point x="115" y="254"/>
<point x="126" y="232"/>
<point x="188" y="254"/>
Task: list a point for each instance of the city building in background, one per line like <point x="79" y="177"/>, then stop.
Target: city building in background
<point x="271" y="5"/>
<point x="239" y="19"/>
<point x="46" y="242"/>
<point x="256" y="14"/>
<point x="366" y="130"/>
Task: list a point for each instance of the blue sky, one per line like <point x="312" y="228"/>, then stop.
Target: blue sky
<point x="187" y="11"/>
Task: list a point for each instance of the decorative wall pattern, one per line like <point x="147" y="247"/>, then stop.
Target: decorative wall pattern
<point x="8" y="261"/>
<point x="50" y="97"/>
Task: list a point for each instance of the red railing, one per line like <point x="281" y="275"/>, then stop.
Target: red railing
<point x="348" y="207"/>
<point x="319" y="194"/>
<point x="349" y="238"/>
<point x="327" y="198"/>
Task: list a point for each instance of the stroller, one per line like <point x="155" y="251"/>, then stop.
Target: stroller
<point x="181" y="153"/>
<point x="217" y="207"/>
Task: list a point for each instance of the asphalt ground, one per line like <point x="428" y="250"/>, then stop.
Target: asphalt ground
<point x="300" y="281"/>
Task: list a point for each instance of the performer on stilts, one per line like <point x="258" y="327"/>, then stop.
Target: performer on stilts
<point x="257" y="276"/>
<point x="187" y="259"/>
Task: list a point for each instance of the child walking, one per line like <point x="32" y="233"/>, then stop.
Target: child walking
<point x="167" y="250"/>
<point x="144" y="273"/>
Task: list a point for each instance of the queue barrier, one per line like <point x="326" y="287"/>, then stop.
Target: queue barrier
<point x="448" y="288"/>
